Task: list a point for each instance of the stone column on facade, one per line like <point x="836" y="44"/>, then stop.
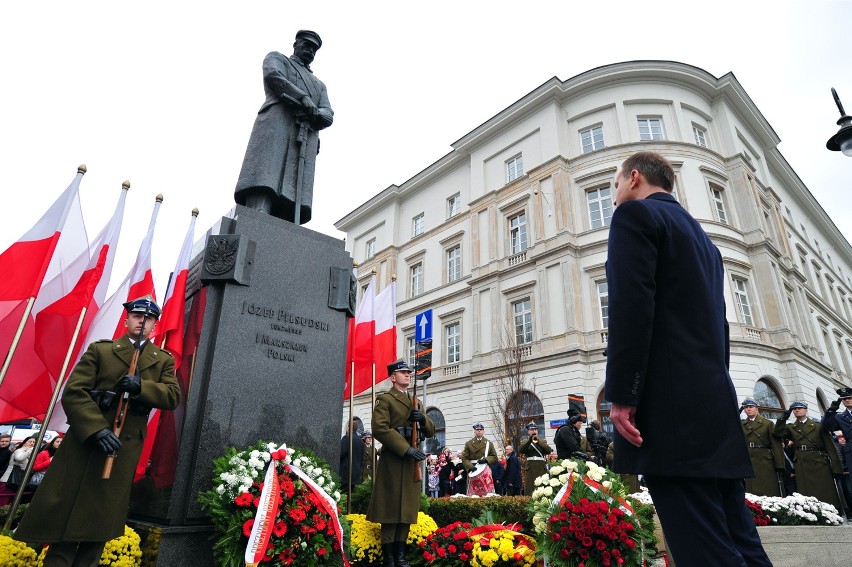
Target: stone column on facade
<point x="474" y="239"/>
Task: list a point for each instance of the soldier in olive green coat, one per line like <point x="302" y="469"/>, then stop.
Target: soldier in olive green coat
<point x="536" y="450"/>
<point x="816" y="458"/>
<point x="74" y="509"/>
<point x="395" y="500"/>
<point x="765" y="451"/>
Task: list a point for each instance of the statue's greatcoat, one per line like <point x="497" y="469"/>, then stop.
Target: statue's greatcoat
<point x="272" y="157"/>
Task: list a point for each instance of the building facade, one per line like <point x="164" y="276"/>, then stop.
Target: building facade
<point x="505" y="239"/>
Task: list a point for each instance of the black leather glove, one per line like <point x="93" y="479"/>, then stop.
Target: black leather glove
<point x="581" y="455"/>
<point x="415" y="454"/>
<point x="417" y="416"/>
<point x="482" y="461"/>
<point x="106" y="440"/>
<point x="129" y="383"/>
<point x="835" y="405"/>
<point x="788" y="413"/>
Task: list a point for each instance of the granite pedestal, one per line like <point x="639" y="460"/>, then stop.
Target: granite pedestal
<point x="269" y="365"/>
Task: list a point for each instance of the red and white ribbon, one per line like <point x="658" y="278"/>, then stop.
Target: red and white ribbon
<point x="267" y="510"/>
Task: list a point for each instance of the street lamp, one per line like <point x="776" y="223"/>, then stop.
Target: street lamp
<point x="842" y="141"/>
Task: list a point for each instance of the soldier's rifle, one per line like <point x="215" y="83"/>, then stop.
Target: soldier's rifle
<point x="415" y="435"/>
<point x="124" y="400"/>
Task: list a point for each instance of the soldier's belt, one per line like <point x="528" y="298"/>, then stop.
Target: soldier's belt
<point x="810" y="449"/>
<point x="757" y="446"/>
<point x="535" y="458"/>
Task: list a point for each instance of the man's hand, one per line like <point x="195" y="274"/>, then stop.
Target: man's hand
<point x="415" y="453"/>
<point x="835" y="405"/>
<point x="129" y="383"/>
<point x="788" y="413"/>
<point x="417" y="416"/>
<point x="482" y="461"/>
<point x="624" y="418"/>
<point x="106" y="440"/>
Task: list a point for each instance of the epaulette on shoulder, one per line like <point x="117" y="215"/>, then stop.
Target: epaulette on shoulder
<point x="102" y="341"/>
<point x="167" y="352"/>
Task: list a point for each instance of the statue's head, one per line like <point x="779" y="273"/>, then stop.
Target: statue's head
<point x="306" y="45"/>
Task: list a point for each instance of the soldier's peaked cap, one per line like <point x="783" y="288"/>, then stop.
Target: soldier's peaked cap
<point x="311" y="36"/>
<point x="749" y="402"/>
<point x="844" y="392"/>
<point x="795" y="405"/>
<point x="531" y="425"/>
<point x="399" y="366"/>
<point x="478" y="425"/>
<point x="143" y="305"/>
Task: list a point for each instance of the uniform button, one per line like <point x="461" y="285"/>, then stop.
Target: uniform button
<point x="633" y="392"/>
<point x="636" y="375"/>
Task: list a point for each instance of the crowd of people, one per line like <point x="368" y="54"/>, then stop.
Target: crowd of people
<point x="14" y="458"/>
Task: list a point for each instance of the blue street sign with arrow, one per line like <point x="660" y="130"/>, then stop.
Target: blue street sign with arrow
<point x="423" y="326"/>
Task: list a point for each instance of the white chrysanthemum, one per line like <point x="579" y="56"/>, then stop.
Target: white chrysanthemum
<point x="556" y="470"/>
<point x="220" y="489"/>
<point x="555" y="482"/>
<point x="607" y="484"/>
<point x="320" y="481"/>
<point x="563" y="478"/>
<point x="548" y="491"/>
<point x="540" y="480"/>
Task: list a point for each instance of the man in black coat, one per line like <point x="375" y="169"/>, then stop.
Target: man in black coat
<point x="835" y="421"/>
<point x="668" y="349"/>
<point x="351" y="476"/>
<point x="512" y="480"/>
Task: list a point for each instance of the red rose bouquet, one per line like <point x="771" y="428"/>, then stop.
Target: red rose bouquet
<point x="449" y="546"/>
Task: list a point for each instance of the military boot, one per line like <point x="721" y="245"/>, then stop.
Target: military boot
<point x="389" y="555"/>
<point x="401" y="561"/>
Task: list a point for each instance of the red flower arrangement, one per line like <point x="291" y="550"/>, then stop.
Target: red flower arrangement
<point x="593" y="532"/>
<point x="449" y="546"/>
<point x="301" y="528"/>
<point x="760" y="517"/>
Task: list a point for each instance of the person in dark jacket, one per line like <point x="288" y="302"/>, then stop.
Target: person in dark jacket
<point x="351" y="477"/>
<point x="74" y="509"/>
<point x="840" y="423"/>
<point x="512" y="480"/>
<point x="668" y="348"/>
<point x="445" y="473"/>
<point x="568" y="441"/>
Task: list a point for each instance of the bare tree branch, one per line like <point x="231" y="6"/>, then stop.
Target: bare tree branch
<point x="509" y="406"/>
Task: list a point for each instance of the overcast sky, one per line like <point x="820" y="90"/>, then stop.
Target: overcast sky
<point x="164" y="94"/>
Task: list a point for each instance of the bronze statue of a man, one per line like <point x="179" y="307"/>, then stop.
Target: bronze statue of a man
<point x="277" y="176"/>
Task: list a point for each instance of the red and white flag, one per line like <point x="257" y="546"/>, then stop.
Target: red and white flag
<point x="372" y="338"/>
<point x="27" y="387"/>
<point x="56" y="323"/>
<point x="169" y="331"/>
<point x="25" y="262"/>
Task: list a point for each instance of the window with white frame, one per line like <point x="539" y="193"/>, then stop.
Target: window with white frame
<point x="417" y="225"/>
<point x="592" y="139"/>
<point x="700" y="135"/>
<point x="452" y="333"/>
<point x="416" y="276"/>
<point x="518" y="233"/>
<point x="603" y="302"/>
<point x="514" y="168"/>
<point x="651" y="129"/>
<point x="370" y="249"/>
<point x="522" y="313"/>
<point x="409" y="350"/>
<point x="453" y="205"/>
<point x="454" y="263"/>
<point x="718" y="203"/>
<point x="741" y="299"/>
<point x="600" y="206"/>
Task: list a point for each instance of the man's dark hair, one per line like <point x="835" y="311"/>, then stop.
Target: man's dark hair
<point x="5" y="436"/>
<point x="656" y="169"/>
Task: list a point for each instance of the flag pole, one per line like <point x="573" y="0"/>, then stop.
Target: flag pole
<point x="56" y="389"/>
<point x="17" y="338"/>
<point x="350" y="433"/>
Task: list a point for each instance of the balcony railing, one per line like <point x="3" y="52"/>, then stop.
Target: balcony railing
<point x="518" y="258"/>
<point x="452" y="370"/>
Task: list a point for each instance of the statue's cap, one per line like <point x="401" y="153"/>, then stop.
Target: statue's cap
<point x="311" y="36"/>
<point x="143" y="305"/>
